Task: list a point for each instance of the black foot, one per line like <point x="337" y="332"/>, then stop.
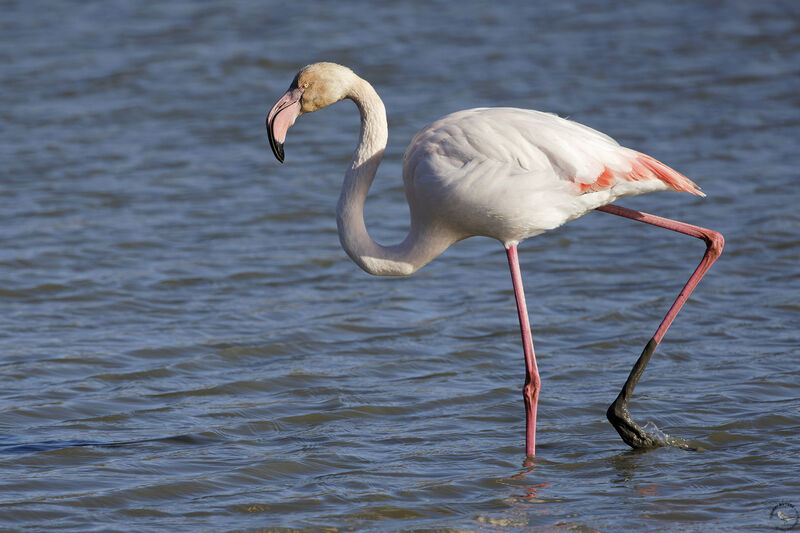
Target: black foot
<point x="633" y="435"/>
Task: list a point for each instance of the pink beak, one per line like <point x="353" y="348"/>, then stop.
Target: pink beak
<point x="280" y="119"/>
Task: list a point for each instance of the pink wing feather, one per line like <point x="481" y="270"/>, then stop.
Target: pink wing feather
<point x="643" y="168"/>
<point x="524" y="141"/>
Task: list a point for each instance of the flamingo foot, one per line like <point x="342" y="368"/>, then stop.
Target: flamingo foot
<point x="633" y="435"/>
<point x="638" y="438"/>
<point x="619" y="416"/>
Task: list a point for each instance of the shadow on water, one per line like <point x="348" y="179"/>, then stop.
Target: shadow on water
<point x="50" y="445"/>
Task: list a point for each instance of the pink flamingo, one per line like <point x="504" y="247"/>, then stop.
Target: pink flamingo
<point x="498" y="172"/>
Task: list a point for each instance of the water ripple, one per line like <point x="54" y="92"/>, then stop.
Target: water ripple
<point x="183" y="343"/>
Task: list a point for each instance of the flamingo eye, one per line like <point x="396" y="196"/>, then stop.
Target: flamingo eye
<point x="305" y="85"/>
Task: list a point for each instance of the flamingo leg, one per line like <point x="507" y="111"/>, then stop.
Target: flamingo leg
<point x="530" y="392"/>
<point x="618" y="413"/>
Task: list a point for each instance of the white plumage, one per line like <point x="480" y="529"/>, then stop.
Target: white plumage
<point x="498" y="172"/>
<point x="514" y="173"/>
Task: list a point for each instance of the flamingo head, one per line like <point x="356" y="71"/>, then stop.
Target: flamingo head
<point x="315" y="86"/>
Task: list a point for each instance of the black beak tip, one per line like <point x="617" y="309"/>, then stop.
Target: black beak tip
<point x="277" y="148"/>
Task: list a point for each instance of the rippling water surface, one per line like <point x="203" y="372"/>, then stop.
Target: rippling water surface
<point x="183" y="344"/>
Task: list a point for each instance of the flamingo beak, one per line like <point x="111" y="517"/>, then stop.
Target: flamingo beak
<point x="280" y="119"/>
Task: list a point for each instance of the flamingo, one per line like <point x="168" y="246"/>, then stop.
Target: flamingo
<point x="504" y="173"/>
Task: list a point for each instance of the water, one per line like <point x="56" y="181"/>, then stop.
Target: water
<point x="184" y="346"/>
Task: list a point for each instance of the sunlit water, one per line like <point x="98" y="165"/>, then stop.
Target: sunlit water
<point x="183" y="344"/>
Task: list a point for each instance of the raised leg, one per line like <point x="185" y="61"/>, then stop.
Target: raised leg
<point x="618" y="413"/>
<point x="530" y="392"/>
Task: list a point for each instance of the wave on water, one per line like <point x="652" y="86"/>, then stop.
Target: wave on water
<point x="665" y="439"/>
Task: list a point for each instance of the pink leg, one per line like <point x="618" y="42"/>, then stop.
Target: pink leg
<point x="530" y="391"/>
<point x="618" y="413"/>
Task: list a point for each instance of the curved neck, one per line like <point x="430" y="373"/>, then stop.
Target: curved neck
<point x="420" y="245"/>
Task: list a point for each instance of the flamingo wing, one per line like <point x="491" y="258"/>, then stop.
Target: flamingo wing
<point x="524" y="141"/>
<point x="514" y="173"/>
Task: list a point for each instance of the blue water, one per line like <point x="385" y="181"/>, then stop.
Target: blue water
<point x="184" y="345"/>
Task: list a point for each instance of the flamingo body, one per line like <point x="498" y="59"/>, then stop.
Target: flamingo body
<point x="515" y="173"/>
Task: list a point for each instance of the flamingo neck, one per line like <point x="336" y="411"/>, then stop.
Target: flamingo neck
<point x="420" y="246"/>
